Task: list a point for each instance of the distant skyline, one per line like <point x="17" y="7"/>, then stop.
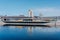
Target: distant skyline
<point x="21" y="7"/>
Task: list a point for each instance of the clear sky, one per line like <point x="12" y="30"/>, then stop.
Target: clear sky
<point x="21" y="7"/>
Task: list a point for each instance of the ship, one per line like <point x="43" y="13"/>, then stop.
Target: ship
<point x="24" y="20"/>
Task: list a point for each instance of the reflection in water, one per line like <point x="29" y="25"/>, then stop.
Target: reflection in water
<point x="30" y="29"/>
<point x="19" y="26"/>
<point x="29" y="32"/>
<point x="26" y="25"/>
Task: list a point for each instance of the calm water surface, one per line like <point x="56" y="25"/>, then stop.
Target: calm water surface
<point x="29" y="33"/>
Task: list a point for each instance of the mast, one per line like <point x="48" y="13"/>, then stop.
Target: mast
<point x="40" y="15"/>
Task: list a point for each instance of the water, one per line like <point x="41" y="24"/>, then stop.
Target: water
<point x="29" y="33"/>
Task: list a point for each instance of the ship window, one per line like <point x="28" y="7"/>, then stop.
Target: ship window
<point x="4" y="19"/>
<point x="28" y="20"/>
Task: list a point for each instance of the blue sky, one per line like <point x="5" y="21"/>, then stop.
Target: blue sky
<point x="21" y="7"/>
